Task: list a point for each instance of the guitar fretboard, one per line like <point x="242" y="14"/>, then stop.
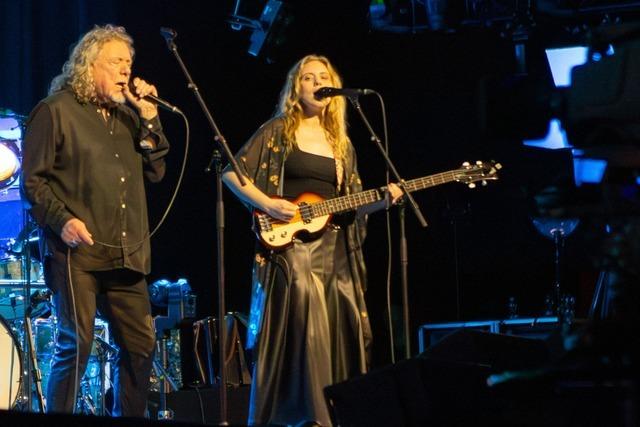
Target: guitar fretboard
<point x="354" y="201"/>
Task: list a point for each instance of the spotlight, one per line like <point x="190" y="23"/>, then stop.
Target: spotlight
<point x="267" y="31"/>
<point x="177" y="297"/>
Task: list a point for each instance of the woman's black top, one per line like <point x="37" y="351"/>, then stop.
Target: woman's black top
<point x="309" y="173"/>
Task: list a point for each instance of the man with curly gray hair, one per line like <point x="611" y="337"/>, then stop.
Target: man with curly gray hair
<point x="86" y="155"/>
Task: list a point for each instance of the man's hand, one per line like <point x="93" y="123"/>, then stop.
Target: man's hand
<point x="147" y="110"/>
<point x="75" y="232"/>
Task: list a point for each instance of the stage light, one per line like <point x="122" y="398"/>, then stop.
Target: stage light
<point x="177" y="297"/>
<point x="162" y="292"/>
<point x="561" y="61"/>
<point x="267" y="30"/>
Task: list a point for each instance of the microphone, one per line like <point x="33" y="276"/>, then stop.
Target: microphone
<point x="325" y="92"/>
<point x="158" y="101"/>
<point x="168" y="33"/>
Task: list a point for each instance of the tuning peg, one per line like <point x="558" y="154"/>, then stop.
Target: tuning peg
<point x="466" y="164"/>
<point x="479" y="162"/>
<point x="472" y="185"/>
<point x="484" y="182"/>
<point x="497" y="166"/>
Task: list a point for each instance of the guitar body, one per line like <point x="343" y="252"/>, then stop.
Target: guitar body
<point x="276" y="234"/>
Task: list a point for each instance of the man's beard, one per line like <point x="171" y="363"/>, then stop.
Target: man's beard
<point x="118" y="98"/>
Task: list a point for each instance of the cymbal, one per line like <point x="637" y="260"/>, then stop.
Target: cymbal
<point x="11" y="126"/>
<point x="548" y="227"/>
<point x="5" y="112"/>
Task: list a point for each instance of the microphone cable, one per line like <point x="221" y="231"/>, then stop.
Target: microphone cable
<point x="385" y="131"/>
<point x="173" y="196"/>
<point x="147" y="236"/>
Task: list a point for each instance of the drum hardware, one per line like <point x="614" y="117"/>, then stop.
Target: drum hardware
<point x="97" y="376"/>
<point x="12" y="305"/>
<point x="33" y="364"/>
<point x="106" y="353"/>
<point x="167" y="385"/>
<point x="31" y="370"/>
<point x="180" y="303"/>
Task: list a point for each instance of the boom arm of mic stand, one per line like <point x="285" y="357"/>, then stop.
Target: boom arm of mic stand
<point x="219" y="138"/>
<point x="376" y="140"/>
<point x="222" y="333"/>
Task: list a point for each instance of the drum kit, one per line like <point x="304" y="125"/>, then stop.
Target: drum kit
<point x="27" y="323"/>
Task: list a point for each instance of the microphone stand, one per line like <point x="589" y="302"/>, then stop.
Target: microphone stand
<point x="404" y="260"/>
<point x="169" y="35"/>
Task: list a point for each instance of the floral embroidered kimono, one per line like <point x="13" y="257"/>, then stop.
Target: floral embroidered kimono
<point x="308" y="326"/>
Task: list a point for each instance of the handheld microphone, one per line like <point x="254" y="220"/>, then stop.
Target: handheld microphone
<point x="325" y="92"/>
<point x="156" y="100"/>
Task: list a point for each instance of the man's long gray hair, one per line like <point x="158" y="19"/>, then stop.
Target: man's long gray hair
<point x="75" y="72"/>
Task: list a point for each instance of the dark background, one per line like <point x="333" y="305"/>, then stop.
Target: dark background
<point x="480" y="247"/>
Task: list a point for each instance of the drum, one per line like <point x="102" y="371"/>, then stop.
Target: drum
<point x="12" y="302"/>
<point x="11" y="268"/>
<point x="10" y="366"/>
<point x="9" y="162"/>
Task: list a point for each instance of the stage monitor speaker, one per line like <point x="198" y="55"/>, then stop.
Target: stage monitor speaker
<point x="202" y="406"/>
<point x="443" y="386"/>
<point x="494" y="351"/>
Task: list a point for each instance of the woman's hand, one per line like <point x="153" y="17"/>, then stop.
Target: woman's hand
<point x="395" y="192"/>
<point x="281" y="209"/>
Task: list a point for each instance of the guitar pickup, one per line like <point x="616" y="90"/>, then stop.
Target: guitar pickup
<point x="305" y="212"/>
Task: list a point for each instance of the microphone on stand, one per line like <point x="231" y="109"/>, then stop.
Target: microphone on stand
<point x="168" y="33"/>
<point x="325" y="92"/>
<point x="156" y="100"/>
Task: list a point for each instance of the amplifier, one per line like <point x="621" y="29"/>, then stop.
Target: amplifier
<point x="530" y="327"/>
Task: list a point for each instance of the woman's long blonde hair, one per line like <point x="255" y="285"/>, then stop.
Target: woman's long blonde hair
<point x="333" y="119"/>
<point x="76" y="74"/>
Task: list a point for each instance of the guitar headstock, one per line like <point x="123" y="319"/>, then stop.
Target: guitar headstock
<point x="480" y="171"/>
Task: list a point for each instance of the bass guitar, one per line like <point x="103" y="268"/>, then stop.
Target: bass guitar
<point x="315" y="212"/>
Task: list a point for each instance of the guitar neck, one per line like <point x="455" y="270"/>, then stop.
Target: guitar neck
<point x="354" y="201"/>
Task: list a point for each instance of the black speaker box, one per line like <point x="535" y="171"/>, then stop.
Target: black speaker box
<point x="203" y="406"/>
<point x="493" y="351"/>
<point x="445" y="386"/>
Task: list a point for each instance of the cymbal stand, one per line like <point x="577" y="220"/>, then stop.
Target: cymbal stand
<point x="106" y="352"/>
<point x="31" y="371"/>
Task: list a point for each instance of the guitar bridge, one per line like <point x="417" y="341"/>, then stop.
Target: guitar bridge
<point x="264" y="223"/>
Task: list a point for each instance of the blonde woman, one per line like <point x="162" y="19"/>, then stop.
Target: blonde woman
<point x="308" y="323"/>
